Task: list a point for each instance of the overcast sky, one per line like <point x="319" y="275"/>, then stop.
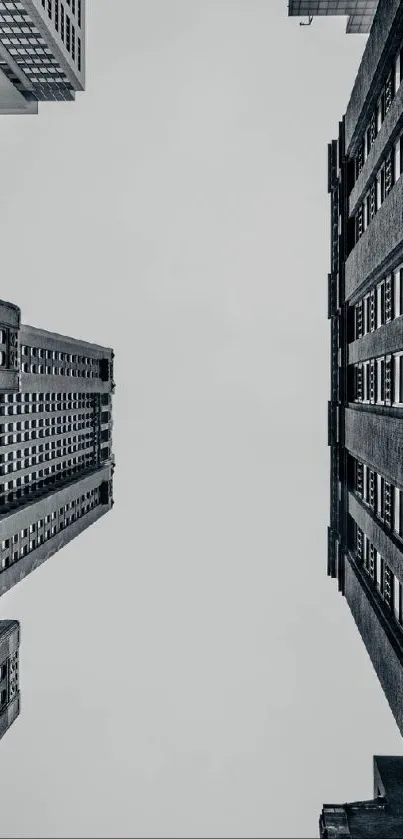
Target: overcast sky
<point x="187" y="668"/>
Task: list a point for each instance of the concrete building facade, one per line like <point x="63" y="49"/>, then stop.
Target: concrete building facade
<point x="365" y="307"/>
<point x="42" y="53"/>
<point x="56" y="461"/>
<point x="379" y="817"/>
<point x="9" y="674"/>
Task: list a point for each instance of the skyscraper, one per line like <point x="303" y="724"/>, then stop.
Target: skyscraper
<point x="360" y="12"/>
<point x="9" y="669"/>
<point x="380" y="817"/>
<point x="365" y="539"/>
<point x="56" y="462"/>
<point x="42" y="52"/>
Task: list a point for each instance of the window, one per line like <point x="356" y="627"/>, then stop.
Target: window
<point x="397" y="599"/>
<point x="380" y="304"/>
<point x="380" y="380"/>
<point x="397" y="159"/>
<point x="398" y="291"/>
<point x="379" y="572"/>
<point x="380" y="496"/>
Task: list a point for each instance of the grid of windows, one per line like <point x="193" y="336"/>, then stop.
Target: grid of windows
<point x="388" y="173"/>
<point x="38" y="360"/>
<point x="384" y="580"/>
<point x="383" y="498"/>
<point x="30" y="51"/>
<point x="379" y="381"/>
<point x="380" y="305"/>
<point x="390" y="88"/>
<point x="42" y="529"/>
<point x="45" y="438"/>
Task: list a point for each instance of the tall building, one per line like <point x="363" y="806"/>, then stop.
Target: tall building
<point x="56" y="462"/>
<point x="360" y="12"/>
<point x="42" y="53"/>
<point x="365" y="307"/>
<point x="381" y="817"/>
<point x="9" y="668"/>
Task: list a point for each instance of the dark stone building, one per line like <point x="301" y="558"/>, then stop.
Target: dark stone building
<point x="379" y="818"/>
<point x="56" y="462"/>
<point x="9" y="682"/>
<point x="365" y="297"/>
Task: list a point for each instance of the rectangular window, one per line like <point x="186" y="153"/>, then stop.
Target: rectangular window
<point x="371" y="560"/>
<point x="365" y="480"/>
<point x="379" y="572"/>
<point x="62" y="21"/>
<point x="380" y="381"/>
<point x="380" y="301"/>
<point x="366" y="314"/>
<point x="372" y="489"/>
<point x="79" y="53"/>
<point x="359" y="477"/>
<point x="387" y="585"/>
<point x="79" y="12"/>
<point x="398" y="393"/>
<point x="68" y="34"/>
<point x="396" y="505"/>
<point x="372" y="381"/>
<point x="397" y="72"/>
<point x="57" y="15"/>
<point x="397" y="278"/>
<point x="358" y="320"/>
<point x="388" y="503"/>
<point x="389" y="298"/>
<point x="388" y="380"/>
<point x="397" y="599"/>
<point x="380" y="506"/>
<point x="398" y="171"/>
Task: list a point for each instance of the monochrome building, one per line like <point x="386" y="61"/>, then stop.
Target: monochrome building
<point x="360" y="12"/>
<point x="56" y="462"/>
<point x="42" y="53"/>
<point x="9" y="681"/>
<point x="365" y="307"/>
<point x="380" y="817"/>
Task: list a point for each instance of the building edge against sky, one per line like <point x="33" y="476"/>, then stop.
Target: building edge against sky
<point x="42" y="53"/>
<point x="56" y="460"/>
<point x="9" y="673"/>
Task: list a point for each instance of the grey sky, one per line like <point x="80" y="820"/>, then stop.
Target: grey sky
<point x="186" y="666"/>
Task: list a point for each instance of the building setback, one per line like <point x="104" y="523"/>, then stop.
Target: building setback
<point x="42" y="53"/>
<point x="56" y="462"/>
<point x="382" y="816"/>
<point x="360" y="12"/>
<point x="9" y="669"/>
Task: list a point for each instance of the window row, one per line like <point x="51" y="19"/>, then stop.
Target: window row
<point x="379" y="381"/>
<point x="383" y="498"/>
<point x="390" y="88"/>
<point x="52" y="421"/>
<point x="61" y="431"/>
<point x="388" y="173"/>
<point x="387" y="584"/>
<point x="14" y="492"/>
<point x="19" y="463"/>
<point x="33" y="451"/>
<point x="56" y="355"/>
<point x="380" y="305"/>
<point x="28" y="539"/>
<point x="61" y="396"/>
